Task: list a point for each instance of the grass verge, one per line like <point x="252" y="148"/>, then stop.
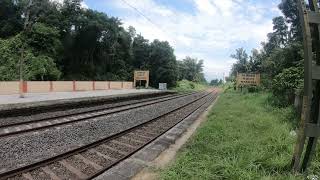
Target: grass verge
<point x="244" y="138"/>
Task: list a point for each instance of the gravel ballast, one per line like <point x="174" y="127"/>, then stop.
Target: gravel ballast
<point x="30" y="147"/>
<point x="9" y="110"/>
<point x="11" y="114"/>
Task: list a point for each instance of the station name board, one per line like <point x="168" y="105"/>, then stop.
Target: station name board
<point x="248" y="79"/>
<point x="141" y="76"/>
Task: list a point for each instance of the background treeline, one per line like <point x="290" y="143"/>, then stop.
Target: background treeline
<point x="280" y="61"/>
<point x="67" y="42"/>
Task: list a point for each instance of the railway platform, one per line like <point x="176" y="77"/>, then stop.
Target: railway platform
<point x="56" y="96"/>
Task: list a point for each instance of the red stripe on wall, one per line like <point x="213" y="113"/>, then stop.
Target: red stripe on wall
<point x="51" y="86"/>
<point x="24" y="87"/>
<point x="74" y="88"/>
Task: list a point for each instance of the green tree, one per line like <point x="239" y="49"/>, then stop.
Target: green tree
<point x="280" y="30"/>
<point x="10" y="19"/>
<point x="162" y="64"/>
<point x="216" y="82"/>
<point x="49" y="40"/>
<point x="280" y="59"/>
<point x="37" y="67"/>
<point x="290" y="10"/>
<point x="141" y="52"/>
<point x="241" y="66"/>
<point x="191" y="69"/>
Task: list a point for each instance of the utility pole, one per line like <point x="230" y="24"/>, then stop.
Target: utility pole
<point x="26" y="28"/>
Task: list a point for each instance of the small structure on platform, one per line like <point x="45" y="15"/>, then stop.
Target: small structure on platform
<point x="248" y="79"/>
<point x="141" y="76"/>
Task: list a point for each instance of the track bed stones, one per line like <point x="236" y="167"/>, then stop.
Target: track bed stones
<point x="37" y="116"/>
<point x="87" y="148"/>
<point x="49" y="109"/>
<point x="33" y="125"/>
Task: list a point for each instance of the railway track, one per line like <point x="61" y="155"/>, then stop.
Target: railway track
<point x="64" y="119"/>
<point x="92" y="159"/>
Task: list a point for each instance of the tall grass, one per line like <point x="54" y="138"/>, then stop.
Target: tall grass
<point x="244" y="138"/>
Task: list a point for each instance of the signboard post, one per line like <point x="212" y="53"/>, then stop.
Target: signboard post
<point x="247" y="79"/>
<point x="141" y="76"/>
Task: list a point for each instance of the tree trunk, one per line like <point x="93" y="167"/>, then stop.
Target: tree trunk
<point x="21" y="61"/>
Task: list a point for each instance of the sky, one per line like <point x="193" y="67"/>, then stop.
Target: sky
<point x="205" y="29"/>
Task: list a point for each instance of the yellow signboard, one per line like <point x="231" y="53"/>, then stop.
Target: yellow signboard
<point x="141" y="76"/>
<point x="244" y="79"/>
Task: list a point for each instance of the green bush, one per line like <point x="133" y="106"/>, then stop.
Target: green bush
<point x="285" y="84"/>
<point x="252" y="89"/>
<point x="186" y="85"/>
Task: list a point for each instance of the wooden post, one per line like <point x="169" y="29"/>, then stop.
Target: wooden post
<point x="309" y="124"/>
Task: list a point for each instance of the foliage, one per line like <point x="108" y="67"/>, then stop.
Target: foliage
<point x="286" y="83"/>
<point x="191" y="69"/>
<point x="289" y="9"/>
<point x="162" y="64"/>
<point x="37" y="67"/>
<point x="65" y="41"/>
<point x="185" y="85"/>
<point x="216" y="82"/>
<point x="11" y="22"/>
<point x="242" y="62"/>
<point x="280" y="59"/>
<point x="9" y="58"/>
<point x="44" y="40"/>
<point x="248" y="139"/>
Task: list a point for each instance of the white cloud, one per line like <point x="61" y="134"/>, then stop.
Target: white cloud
<point x="206" y="6"/>
<point x="211" y="32"/>
<point x="83" y="4"/>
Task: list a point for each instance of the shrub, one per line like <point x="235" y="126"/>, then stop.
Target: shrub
<point x="286" y="83"/>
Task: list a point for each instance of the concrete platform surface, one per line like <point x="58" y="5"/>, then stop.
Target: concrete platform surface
<point x="37" y="97"/>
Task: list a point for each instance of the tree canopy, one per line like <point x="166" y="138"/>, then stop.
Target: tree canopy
<point x="191" y="69"/>
<point x="67" y="42"/>
<point x="280" y="59"/>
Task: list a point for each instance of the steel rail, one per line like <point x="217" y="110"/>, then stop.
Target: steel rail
<point x="144" y="145"/>
<point x="89" y="111"/>
<point x="112" y="109"/>
<point x="65" y="155"/>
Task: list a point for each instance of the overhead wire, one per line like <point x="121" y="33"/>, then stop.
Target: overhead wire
<point x="143" y="15"/>
<point x="149" y="19"/>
